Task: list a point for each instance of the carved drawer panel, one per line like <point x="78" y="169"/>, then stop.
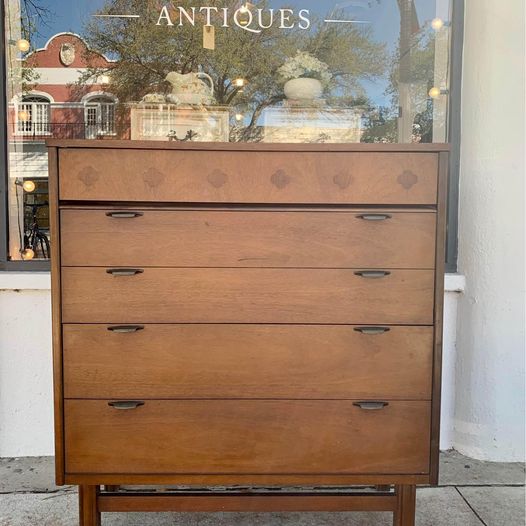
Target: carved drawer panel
<point x="248" y="177"/>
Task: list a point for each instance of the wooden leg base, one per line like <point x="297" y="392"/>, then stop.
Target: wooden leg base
<point x="404" y="514"/>
<point x="89" y="514"/>
<point x="401" y="502"/>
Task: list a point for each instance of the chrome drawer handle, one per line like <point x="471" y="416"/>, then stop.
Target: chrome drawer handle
<point x="126" y="328"/>
<point x="126" y="404"/>
<point x="372" y="273"/>
<point x="124" y="214"/>
<point x="372" y="330"/>
<point x="371" y="406"/>
<point x="374" y="217"/>
<point x="124" y="271"/>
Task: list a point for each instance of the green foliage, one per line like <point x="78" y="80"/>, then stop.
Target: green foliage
<point x="145" y="53"/>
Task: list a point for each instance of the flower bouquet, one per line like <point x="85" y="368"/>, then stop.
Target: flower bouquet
<point x="306" y="76"/>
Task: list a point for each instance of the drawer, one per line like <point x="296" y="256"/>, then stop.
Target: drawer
<point x="247" y="177"/>
<point x="247" y="361"/>
<point x="238" y="238"/>
<point x="247" y="437"/>
<point x="246" y="295"/>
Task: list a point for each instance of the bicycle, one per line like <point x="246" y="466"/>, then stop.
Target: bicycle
<point x="34" y="238"/>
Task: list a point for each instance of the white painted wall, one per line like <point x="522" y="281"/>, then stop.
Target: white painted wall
<point x="26" y="407"/>
<point x="490" y="381"/>
<point x="26" y="395"/>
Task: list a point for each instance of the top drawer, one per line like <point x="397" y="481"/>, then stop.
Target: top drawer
<point x="179" y="176"/>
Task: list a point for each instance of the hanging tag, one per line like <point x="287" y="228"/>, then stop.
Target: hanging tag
<point x="209" y="37"/>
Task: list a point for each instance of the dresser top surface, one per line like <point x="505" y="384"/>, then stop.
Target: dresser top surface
<point x="256" y="147"/>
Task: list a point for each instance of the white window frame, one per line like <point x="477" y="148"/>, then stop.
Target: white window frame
<point x="104" y="105"/>
<point x="33" y="127"/>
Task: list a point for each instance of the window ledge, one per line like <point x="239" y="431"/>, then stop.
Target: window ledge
<point x="25" y="281"/>
<point x="454" y="283"/>
<point x="42" y="281"/>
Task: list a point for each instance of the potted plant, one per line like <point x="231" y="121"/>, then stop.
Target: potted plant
<point x="306" y="76"/>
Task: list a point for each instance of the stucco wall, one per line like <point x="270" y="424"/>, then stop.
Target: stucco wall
<point x="26" y="406"/>
<point x="490" y="391"/>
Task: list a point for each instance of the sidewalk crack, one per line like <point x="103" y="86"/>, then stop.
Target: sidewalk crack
<point x="470" y="507"/>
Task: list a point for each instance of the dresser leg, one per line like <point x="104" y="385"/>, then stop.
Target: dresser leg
<point x="406" y="506"/>
<point x="88" y="512"/>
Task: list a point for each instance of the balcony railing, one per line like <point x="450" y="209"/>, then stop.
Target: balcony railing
<point x="63" y="130"/>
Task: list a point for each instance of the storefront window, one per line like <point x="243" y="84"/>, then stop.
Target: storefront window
<point x="306" y="71"/>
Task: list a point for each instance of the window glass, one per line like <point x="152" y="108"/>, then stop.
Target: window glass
<point x="306" y="71"/>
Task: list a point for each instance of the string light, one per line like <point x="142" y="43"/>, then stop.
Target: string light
<point x="239" y="117"/>
<point x="239" y="83"/>
<point x="437" y="24"/>
<point x="23" y="115"/>
<point x="29" y="186"/>
<point x="435" y="92"/>
<point x="28" y="253"/>
<point x="245" y="10"/>
<point x="23" y="45"/>
<point x="105" y="79"/>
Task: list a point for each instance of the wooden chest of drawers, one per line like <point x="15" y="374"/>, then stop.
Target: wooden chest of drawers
<point x="247" y="316"/>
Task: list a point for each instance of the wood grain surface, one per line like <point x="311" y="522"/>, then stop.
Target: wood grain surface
<point x="248" y="176"/>
<point x="168" y="295"/>
<point x="249" y="502"/>
<point x="247" y="361"/>
<point x="238" y="238"/>
<point x="56" y="315"/>
<point x="124" y="144"/>
<point x="244" y="436"/>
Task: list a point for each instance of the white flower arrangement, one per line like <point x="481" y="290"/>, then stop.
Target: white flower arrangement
<point x="305" y="65"/>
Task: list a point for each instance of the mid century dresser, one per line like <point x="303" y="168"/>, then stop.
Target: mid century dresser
<point x="249" y="326"/>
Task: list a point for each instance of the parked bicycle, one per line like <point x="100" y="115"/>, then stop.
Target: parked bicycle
<point x="34" y="237"/>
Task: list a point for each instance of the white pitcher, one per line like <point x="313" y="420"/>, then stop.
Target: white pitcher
<point x="190" y="89"/>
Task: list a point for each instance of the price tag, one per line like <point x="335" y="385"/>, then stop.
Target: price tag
<point x="209" y="37"/>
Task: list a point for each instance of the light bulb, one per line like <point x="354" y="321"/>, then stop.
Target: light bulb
<point x="28" y="253"/>
<point x="434" y="92"/>
<point x="28" y="186"/>
<point x="437" y="24"/>
<point x="105" y="79"/>
<point x="239" y="117"/>
<point x="23" y="45"/>
<point x="244" y="8"/>
<point x="23" y="115"/>
<point x="239" y="83"/>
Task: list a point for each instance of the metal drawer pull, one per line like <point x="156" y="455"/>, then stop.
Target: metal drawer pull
<point x="372" y="273"/>
<point x="126" y="404"/>
<point x="124" y="271"/>
<point x="372" y="330"/>
<point x="126" y="328"/>
<point x="124" y="214"/>
<point x="374" y="217"/>
<point x="371" y="406"/>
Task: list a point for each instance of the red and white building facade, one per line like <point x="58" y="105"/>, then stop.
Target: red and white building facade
<point x="54" y="104"/>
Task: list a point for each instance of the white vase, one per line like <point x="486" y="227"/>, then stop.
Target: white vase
<point x="303" y="89"/>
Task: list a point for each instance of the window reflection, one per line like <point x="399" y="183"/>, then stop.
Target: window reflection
<point x="225" y="71"/>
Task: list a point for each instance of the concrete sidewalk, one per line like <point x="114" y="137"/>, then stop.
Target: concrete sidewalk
<point x="471" y="493"/>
